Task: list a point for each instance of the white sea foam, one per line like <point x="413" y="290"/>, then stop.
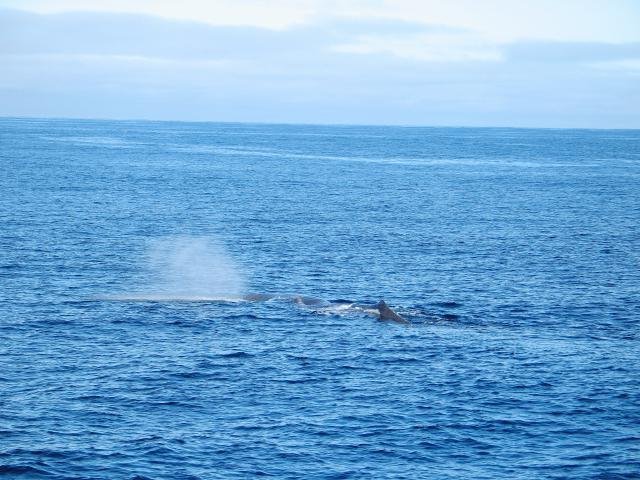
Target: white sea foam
<point x="99" y="141"/>
<point x="238" y="150"/>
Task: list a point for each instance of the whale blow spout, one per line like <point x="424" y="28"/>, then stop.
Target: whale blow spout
<point x="387" y="313"/>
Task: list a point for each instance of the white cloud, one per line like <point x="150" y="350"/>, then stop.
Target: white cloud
<point x="145" y="36"/>
<point x="496" y="20"/>
<point x="334" y="69"/>
<point x="510" y="20"/>
<point x="619" y="66"/>
<point x="431" y="47"/>
<point x="277" y="14"/>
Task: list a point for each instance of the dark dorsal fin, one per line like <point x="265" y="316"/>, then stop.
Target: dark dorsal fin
<point x="387" y="313"/>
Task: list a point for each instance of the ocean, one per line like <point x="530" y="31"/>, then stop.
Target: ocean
<point x="127" y="351"/>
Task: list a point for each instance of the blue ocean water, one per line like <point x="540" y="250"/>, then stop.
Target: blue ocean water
<point x="124" y="354"/>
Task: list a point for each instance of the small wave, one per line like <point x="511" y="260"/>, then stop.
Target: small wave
<point x="448" y="304"/>
<point x="298" y="381"/>
<point x="197" y="375"/>
<point x="39" y="453"/>
<point x="162" y="450"/>
<point x="400" y="360"/>
<point x="21" y="470"/>
<point x="235" y="355"/>
<point x="244" y="316"/>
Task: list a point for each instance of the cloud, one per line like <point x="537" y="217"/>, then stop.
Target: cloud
<point x="95" y="33"/>
<point x="425" y="47"/>
<point x="614" y="21"/>
<point x="275" y="14"/>
<point x="571" y="52"/>
<point x="87" y="33"/>
<point x="132" y="34"/>
<point x="329" y="70"/>
<point x="129" y="34"/>
<point x="619" y="66"/>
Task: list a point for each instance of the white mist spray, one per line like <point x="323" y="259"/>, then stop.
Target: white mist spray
<point x="187" y="267"/>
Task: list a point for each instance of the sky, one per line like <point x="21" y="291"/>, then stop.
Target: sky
<point x="561" y="63"/>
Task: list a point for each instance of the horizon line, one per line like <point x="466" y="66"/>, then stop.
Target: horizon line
<point x="302" y="124"/>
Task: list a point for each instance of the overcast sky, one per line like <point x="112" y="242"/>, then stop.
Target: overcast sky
<point x="562" y="63"/>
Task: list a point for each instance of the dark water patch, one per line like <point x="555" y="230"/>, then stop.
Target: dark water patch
<point x="10" y="267"/>
<point x="399" y="360"/>
<point x="353" y="367"/>
<point x="161" y="451"/>
<point x="447" y="304"/>
<point x="244" y="316"/>
<point x="235" y="355"/>
<point x="18" y="471"/>
<point x="632" y="473"/>
<point x="36" y="452"/>
<point x="197" y="375"/>
<point x="302" y="380"/>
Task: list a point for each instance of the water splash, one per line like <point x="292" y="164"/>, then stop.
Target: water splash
<point x="188" y="267"/>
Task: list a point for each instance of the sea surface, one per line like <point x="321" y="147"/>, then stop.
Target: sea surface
<point x="127" y="352"/>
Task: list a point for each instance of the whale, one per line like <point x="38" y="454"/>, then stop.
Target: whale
<point x="299" y="299"/>
<point x="381" y="309"/>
